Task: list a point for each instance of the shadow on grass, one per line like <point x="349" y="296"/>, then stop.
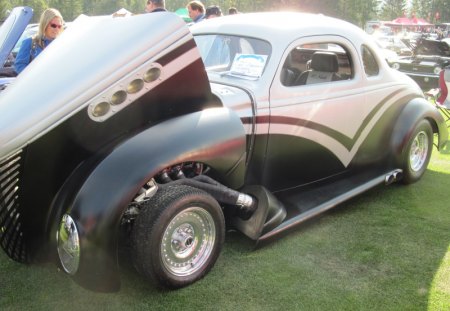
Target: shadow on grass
<point x="390" y="241"/>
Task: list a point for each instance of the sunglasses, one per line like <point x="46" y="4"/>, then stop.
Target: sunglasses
<point x="55" y="26"/>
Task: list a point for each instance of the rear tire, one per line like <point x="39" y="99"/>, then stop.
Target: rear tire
<point x="417" y="154"/>
<point x="178" y="236"/>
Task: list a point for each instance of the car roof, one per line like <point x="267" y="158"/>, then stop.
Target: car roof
<point x="275" y="26"/>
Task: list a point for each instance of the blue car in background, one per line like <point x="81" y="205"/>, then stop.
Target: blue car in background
<point x="12" y="32"/>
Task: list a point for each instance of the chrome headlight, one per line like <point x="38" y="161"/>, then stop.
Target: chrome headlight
<point x="437" y="70"/>
<point x="396" y="66"/>
<point x="68" y="244"/>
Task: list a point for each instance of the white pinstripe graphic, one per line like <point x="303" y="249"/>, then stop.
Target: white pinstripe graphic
<point x="344" y="155"/>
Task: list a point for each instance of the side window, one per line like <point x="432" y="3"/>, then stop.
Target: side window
<point x="370" y="63"/>
<point x="316" y="63"/>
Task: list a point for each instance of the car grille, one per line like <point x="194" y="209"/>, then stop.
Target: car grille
<point x="12" y="238"/>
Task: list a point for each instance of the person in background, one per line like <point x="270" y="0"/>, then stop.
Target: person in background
<point x="155" y="6"/>
<point x="213" y="11"/>
<point x="51" y="25"/>
<point x="196" y="11"/>
<point x="232" y="11"/>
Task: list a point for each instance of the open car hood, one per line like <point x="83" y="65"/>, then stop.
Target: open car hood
<point x="12" y="29"/>
<point x="63" y="83"/>
<point x="432" y="48"/>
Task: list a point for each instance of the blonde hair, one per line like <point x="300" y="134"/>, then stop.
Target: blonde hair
<point x="45" y="19"/>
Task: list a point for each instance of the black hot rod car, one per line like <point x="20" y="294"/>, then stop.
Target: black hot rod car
<point x="167" y="135"/>
<point x="429" y="58"/>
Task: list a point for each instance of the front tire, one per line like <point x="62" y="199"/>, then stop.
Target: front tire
<point x="417" y="154"/>
<point x="178" y="236"/>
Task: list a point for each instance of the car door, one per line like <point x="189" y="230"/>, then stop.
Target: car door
<point x="314" y="125"/>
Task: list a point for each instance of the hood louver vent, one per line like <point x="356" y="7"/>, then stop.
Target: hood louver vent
<point x="11" y="230"/>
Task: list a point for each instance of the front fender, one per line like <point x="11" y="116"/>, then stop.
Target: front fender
<point x="413" y="112"/>
<point x="214" y="136"/>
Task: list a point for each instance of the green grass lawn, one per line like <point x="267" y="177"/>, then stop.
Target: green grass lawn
<point x="388" y="249"/>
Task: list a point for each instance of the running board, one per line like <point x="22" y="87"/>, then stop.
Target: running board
<point x="289" y="223"/>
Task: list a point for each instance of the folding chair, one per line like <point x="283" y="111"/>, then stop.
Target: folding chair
<point x="439" y="96"/>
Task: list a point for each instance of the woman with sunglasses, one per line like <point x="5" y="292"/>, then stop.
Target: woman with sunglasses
<point x="50" y="26"/>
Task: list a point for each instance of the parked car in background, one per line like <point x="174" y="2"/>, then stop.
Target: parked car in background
<point x="163" y="141"/>
<point x="29" y="31"/>
<point x="10" y="32"/>
<point x="428" y="59"/>
<point x="389" y="55"/>
<point x="395" y="44"/>
<point x="446" y="40"/>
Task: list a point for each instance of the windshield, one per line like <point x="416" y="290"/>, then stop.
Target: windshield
<point x="28" y="32"/>
<point x="240" y="56"/>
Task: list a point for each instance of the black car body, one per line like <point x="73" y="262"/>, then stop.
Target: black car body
<point x="137" y="137"/>
<point x="428" y="59"/>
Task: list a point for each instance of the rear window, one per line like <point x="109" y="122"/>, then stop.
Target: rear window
<point x="369" y="61"/>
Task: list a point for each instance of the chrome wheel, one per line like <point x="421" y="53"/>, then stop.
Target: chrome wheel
<point x="418" y="154"/>
<point x="188" y="241"/>
<point x="177" y="236"/>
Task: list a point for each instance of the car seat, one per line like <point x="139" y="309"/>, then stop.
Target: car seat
<point x="288" y="73"/>
<point x="323" y="68"/>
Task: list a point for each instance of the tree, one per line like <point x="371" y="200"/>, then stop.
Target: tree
<point x="392" y="9"/>
<point x="5" y="8"/>
<point x="357" y="11"/>
<point x="421" y="9"/>
<point x="69" y="9"/>
<point x="368" y="11"/>
<point x="442" y="7"/>
<point x="38" y="7"/>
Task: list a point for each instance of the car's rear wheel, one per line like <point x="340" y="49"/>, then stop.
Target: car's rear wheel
<point x="178" y="236"/>
<point x="417" y="153"/>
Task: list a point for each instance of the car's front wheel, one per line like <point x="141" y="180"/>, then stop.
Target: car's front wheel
<point x="178" y="236"/>
<point x="418" y="152"/>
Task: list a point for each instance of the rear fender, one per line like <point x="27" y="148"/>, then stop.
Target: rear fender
<point x="413" y="112"/>
<point x="214" y="136"/>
